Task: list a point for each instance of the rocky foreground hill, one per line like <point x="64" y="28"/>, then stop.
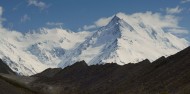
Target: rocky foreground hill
<point x="169" y="75"/>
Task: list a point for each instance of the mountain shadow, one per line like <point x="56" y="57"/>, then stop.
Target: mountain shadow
<point x="5" y="68"/>
<point x="8" y="85"/>
<point x="169" y="75"/>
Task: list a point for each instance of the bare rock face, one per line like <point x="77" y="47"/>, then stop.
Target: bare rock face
<point x="169" y="75"/>
<point x="8" y="86"/>
<point x="165" y="75"/>
<point x="122" y="41"/>
<point x="5" y="69"/>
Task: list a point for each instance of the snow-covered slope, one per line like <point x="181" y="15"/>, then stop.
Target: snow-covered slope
<point x="49" y="45"/>
<point x="31" y="53"/>
<point x="122" y="42"/>
<point x="17" y="59"/>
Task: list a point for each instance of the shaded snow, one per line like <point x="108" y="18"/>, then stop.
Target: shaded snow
<point x="121" y="41"/>
<point x="34" y="52"/>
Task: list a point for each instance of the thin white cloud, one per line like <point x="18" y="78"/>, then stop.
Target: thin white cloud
<point x="177" y="31"/>
<point x="174" y="10"/>
<point x="185" y="1"/>
<point x="102" y="21"/>
<point x="155" y="20"/>
<point x="54" y="24"/>
<point x="25" y="18"/>
<point x="99" y="23"/>
<point x="89" y="27"/>
<point x="38" y="3"/>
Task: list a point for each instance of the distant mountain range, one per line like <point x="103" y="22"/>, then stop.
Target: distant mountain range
<point x="169" y="75"/>
<point x="121" y="41"/>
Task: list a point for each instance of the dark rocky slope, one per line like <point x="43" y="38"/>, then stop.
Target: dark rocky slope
<point x="169" y="75"/>
<point x="9" y="86"/>
<point x="164" y="76"/>
<point x="5" y="69"/>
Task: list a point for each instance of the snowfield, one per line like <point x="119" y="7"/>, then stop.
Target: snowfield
<point x="121" y="41"/>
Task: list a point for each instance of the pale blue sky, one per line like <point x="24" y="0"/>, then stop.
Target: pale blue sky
<point x="25" y="15"/>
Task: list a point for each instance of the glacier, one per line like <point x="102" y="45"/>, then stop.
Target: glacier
<point x="124" y="42"/>
<point x="33" y="52"/>
<point x="121" y="41"/>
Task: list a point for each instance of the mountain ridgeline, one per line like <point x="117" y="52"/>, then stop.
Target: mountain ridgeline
<point x="5" y="68"/>
<point x="121" y="41"/>
<point x="169" y="75"/>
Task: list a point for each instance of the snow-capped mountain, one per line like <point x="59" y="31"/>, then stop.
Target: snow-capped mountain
<point x="49" y="45"/>
<point x="34" y="52"/>
<point x="123" y="42"/>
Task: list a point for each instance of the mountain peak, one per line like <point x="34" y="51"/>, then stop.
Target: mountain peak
<point x="80" y="64"/>
<point x="114" y="20"/>
<point x="117" y="22"/>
